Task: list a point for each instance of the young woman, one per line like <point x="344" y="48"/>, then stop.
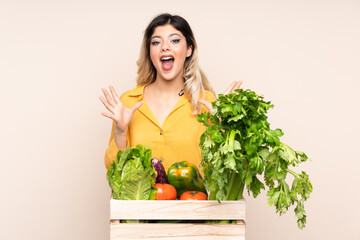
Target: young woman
<point x="171" y="90"/>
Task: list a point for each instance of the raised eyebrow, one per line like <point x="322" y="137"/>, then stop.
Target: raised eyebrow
<point x="173" y="34"/>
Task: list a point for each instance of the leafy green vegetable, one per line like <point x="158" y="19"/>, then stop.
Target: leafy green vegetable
<point x="132" y="176"/>
<point x="239" y="145"/>
<point x="138" y="187"/>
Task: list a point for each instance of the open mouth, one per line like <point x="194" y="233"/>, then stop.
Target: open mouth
<point x="167" y="62"/>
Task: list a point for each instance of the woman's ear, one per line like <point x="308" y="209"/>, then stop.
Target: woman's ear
<point x="189" y="51"/>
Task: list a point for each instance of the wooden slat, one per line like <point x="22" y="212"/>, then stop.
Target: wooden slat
<point x="182" y="210"/>
<point x="164" y="231"/>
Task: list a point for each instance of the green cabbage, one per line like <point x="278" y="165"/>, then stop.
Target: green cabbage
<point x="132" y="176"/>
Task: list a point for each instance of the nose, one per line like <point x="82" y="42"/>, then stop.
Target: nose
<point x="165" y="47"/>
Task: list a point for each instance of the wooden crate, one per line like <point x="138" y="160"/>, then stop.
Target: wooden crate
<point x="177" y="210"/>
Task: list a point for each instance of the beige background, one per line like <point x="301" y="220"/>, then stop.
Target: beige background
<point x="55" y="56"/>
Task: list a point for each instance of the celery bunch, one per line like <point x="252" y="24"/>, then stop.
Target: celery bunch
<point x="238" y="146"/>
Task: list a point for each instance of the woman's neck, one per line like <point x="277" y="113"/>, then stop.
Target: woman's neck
<point x="166" y="87"/>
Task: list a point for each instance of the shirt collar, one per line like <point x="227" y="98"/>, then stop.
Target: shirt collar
<point x="139" y="90"/>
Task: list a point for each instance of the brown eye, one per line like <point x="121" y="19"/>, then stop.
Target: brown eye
<point x="175" y="40"/>
<point x="154" y="43"/>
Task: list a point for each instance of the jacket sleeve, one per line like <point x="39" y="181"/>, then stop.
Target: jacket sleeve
<point x="210" y="98"/>
<point x="111" y="151"/>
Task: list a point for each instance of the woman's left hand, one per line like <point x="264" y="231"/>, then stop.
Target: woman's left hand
<point x="231" y="88"/>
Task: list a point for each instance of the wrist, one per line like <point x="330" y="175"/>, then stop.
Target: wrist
<point x="120" y="132"/>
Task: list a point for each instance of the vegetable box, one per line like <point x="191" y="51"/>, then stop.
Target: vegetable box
<point x="195" y="211"/>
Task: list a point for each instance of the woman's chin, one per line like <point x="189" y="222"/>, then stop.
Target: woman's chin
<point x="168" y="75"/>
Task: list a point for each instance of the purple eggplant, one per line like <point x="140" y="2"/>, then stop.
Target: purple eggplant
<point x="161" y="173"/>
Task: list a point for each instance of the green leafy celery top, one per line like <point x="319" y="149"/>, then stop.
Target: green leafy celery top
<point x="238" y="146"/>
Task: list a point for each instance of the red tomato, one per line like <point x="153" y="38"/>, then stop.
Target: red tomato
<point x="165" y="192"/>
<point x="193" y="195"/>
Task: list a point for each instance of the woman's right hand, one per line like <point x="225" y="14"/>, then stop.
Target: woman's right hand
<point x="118" y="111"/>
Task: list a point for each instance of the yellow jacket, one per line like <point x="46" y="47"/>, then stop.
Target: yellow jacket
<point x="177" y="140"/>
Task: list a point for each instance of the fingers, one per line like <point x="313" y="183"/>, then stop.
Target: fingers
<point x="237" y="85"/>
<point x="232" y="87"/>
<point x="107" y="105"/>
<point x="108" y="97"/>
<point x="206" y="104"/>
<point x="228" y="89"/>
<point x="108" y="115"/>
<point x="114" y="95"/>
<point x="136" y="106"/>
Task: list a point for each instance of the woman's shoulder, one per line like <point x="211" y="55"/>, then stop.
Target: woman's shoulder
<point x="209" y="96"/>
